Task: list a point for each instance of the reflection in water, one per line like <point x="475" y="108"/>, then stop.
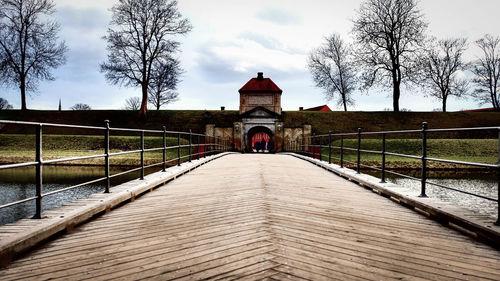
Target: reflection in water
<point x="481" y="183"/>
<point x="19" y="183"/>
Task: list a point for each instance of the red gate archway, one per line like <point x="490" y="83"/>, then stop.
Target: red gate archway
<point x="258" y="139"/>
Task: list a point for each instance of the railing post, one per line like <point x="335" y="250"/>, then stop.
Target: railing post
<point x="320" y="148"/>
<point x="330" y="147"/>
<point x="498" y="185"/>
<point x="39" y="173"/>
<point x="209" y="144"/>
<point x="424" y="159"/>
<point x="358" y="162"/>
<point x="341" y="151"/>
<point x="199" y="148"/>
<point x="106" y="157"/>
<point x="383" y="158"/>
<point x="303" y="144"/>
<point x="190" y="143"/>
<point x="310" y="146"/>
<point x="142" y="154"/>
<point x="178" y="149"/>
<point x="164" y="165"/>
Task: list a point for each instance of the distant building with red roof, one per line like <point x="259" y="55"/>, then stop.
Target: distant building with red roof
<point x="491" y="109"/>
<point x="319" y="108"/>
<point x="260" y="92"/>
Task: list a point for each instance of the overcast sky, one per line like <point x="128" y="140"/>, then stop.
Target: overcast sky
<point x="232" y="40"/>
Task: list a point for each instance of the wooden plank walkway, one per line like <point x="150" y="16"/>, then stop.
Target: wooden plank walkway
<point x="255" y="217"/>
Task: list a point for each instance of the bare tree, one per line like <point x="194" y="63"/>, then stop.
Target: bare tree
<point x="133" y="103"/>
<point x="4" y="104"/>
<point x="164" y="83"/>
<point x="487" y="71"/>
<point x="29" y="47"/>
<point x="332" y="68"/>
<point x="81" y="106"/>
<point x="441" y="68"/>
<point x="140" y="40"/>
<point x="389" y="34"/>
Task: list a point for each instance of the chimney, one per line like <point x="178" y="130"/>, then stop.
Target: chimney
<point x="260" y="75"/>
<point x="301" y="108"/>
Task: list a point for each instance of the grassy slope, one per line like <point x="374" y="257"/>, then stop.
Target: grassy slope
<point x="21" y="148"/>
<point x="321" y="122"/>
<point x="470" y="150"/>
<point x="175" y="120"/>
<point x="341" y="122"/>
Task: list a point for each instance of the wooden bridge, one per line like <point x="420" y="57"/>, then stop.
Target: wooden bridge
<point x="260" y="217"/>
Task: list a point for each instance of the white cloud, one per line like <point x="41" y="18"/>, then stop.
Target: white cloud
<point x="232" y="40"/>
<point x="279" y="16"/>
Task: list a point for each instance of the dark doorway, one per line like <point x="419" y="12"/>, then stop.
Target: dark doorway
<point x="260" y="139"/>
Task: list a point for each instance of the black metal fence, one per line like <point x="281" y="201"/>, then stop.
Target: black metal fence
<point x="313" y="146"/>
<point x="197" y="146"/>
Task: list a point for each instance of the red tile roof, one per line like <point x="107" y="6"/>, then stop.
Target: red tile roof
<point x="491" y="109"/>
<point x="319" y="108"/>
<point x="260" y="84"/>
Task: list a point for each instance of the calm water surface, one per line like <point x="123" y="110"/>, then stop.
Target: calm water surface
<point x="482" y="183"/>
<point x="17" y="184"/>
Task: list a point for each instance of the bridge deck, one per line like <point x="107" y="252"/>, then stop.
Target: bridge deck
<point x="258" y="217"/>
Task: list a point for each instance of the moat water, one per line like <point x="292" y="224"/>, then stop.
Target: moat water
<point x="17" y="184"/>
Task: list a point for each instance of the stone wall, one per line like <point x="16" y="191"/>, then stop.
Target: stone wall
<point x="234" y="135"/>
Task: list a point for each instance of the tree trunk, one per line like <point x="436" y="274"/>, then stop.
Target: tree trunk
<point x="495" y="100"/>
<point x="396" y="93"/>
<point x="395" y="96"/>
<point x="444" y="103"/>
<point x="144" y="105"/>
<point x="23" y="93"/>
<point x="345" y="104"/>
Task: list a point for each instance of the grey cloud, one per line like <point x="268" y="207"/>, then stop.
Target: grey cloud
<point x="268" y="42"/>
<point x="215" y="68"/>
<point x="278" y="16"/>
<point x="82" y="18"/>
<point x="82" y="29"/>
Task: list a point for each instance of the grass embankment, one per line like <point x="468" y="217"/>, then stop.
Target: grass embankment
<point x="21" y="148"/>
<point x="196" y="120"/>
<point x="469" y="150"/>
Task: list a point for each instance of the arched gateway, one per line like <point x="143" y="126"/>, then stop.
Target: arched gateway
<point x="260" y="138"/>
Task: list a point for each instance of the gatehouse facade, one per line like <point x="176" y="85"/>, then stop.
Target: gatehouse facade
<point x="261" y="127"/>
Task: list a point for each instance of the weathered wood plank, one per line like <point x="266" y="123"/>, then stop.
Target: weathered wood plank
<point x="260" y="217"/>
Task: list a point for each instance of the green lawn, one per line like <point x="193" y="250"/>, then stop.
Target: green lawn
<point x="469" y="150"/>
<point x="21" y="148"/>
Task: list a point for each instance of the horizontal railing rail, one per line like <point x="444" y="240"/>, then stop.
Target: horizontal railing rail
<point x="197" y="146"/>
<point x="314" y="145"/>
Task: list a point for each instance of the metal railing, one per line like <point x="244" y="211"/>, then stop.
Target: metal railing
<point x="204" y="146"/>
<point x="313" y="146"/>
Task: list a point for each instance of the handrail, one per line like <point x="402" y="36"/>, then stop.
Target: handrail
<point x="206" y="145"/>
<point x="312" y="146"/>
